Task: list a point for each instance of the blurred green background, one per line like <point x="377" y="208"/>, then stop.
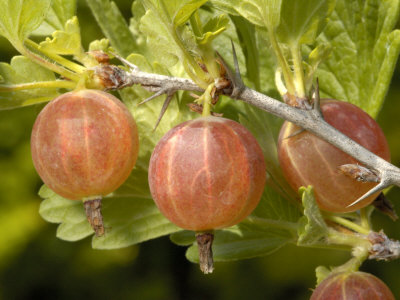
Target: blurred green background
<point x="34" y="264"/>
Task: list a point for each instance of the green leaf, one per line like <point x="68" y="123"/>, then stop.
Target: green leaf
<point x="113" y="25"/>
<point x="183" y="238"/>
<point x="186" y="10"/>
<point x="301" y="21"/>
<point x="138" y="12"/>
<point x="315" y="58"/>
<point x="127" y="219"/>
<point x="313" y="228"/>
<point x="214" y="27"/>
<point x="22" y="70"/>
<point x="160" y="39"/>
<point x="102" y="45"/>
<point x="242" y="242"/>
<point x="167" y="44"/>
<point x="59" y="13"/>
<point x="365" y="50"/>
<point x="272" y="225"/>
<point x="65" y="42"/>
<point x="264" y="13"/>
<point x="20" y="17"/>
<point x="131" y="221"/>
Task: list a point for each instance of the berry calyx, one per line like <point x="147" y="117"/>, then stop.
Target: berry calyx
<point x="308" y="160"/>
<point x="84" y="146"/>
<point x="207" y="174"/>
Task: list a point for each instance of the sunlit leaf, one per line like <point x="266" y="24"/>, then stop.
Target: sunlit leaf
<point x="301" y="21"/>
<point x="23" y="70"/>
<point x="365" y="47"/>
<point x="65" y="42"/>
<point x="186" y="10"/>
<point x="20" y="17"/>
<point x="58" y="14"/>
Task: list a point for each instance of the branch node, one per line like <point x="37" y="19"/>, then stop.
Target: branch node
<point x="382" y="247"/>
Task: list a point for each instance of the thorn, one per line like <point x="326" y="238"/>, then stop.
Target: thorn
<point x="164" y="108"/>
<point x="238" y="83"/>
<point x="372" y="191"/>
<point x="317" y="99"/>
<point x="234" y="77"/>
<point x="126" y="62"/>
<point x="159" y="93"/>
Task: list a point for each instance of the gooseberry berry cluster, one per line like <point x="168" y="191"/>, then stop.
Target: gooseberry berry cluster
<point x="204" y="174"/>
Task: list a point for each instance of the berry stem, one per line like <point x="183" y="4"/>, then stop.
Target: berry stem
<point x="365" y="220"/>
<point x="204" y="243"/>
<point x="37" y="85"/>
<point x="348" y="224"/>
<point x="93" y="214"/>
<point x="57" y="58"/>
<point x="287" y="74"/>
<point x="48" y="64"/>
<point x="207" y="101"/>
<point x="298" y="71"/>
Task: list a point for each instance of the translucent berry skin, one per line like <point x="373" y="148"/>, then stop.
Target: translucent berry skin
<point x="84" y="144"/>
<point x="352" y="286"/>
<point x="207" y="173"/>
<point x="308" y="160"/>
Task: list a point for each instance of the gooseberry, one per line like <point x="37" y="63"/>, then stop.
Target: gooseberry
<point x="308" y="160"/>
<point x="84" y="145"/>
<point x="352" y="286"/>
<point x="206" y="174"/>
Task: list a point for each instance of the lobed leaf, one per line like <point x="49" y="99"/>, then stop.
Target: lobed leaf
<point x="186" y="10"/>
<point x="59" y="13"/>
<point x="127" y="219"/>
<point x="19" y="18"/>
<point x="272" y="225"/>
<point x="301" y="21"/>
<point x="213" y="28"/>
<point x="313" y="228"/>
<point x="22" y="70"/>
<point x="365" y="47"/>
<point x="263" y="13"/>
<point x="65" y="42"/>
